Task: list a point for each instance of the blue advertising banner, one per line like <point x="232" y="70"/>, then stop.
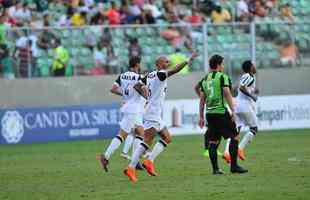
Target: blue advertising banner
<point x="33" y="125"/>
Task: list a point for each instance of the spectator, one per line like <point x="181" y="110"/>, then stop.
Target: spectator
<point x="147" y="17"/>
<point x="260" y="10"/>
<point x="13" y="8"/>
<point x="134" y="48"/>
<point x="61" y="59"/>
<point x="90" y="40"/>
<point x="172" y="35"/>
<point x="124" y="12"/>
<point x="45" y="40"/>
<point x="113" y="14"/>
<point x="6" y="62"/>
<point x="3" y="29"/>
<point x="271" y="5"/>
<point x="107" y="48"/>
<point x="289" y="53"/>
<point x="150" y="6"/>
<point x="228" y="5"/>
<point x="24" y="57"/>
<point x="170" y="11"/>
<point x="206" y="6"/>
<point x="65" y="19"/>
<point x="286" y="13"/>
<point x="46" y="19"/>
<point x="106" y="36"/>
<point x="195" y="17"/>
<point x="79" y="18"/>
<point x="135" y="13"/>
<point x="220" y="15"/>
<point x="99" y="56"/>
<point x="89" y="3"/>
<point x="243" y="13"/>
<point x="22" y="14"/>
<point x="97" y="19"/>
<point x="177" y="38"/>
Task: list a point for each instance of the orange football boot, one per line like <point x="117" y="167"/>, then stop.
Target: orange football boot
<point x="241" y="154"/>
<point x="149" y="166"/>
<point x="131" y="174"/>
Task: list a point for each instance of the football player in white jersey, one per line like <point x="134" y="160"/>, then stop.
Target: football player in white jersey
<point x="132" y="109"/>
<point x="153" y="122"/>
<point x="245" y="108"/>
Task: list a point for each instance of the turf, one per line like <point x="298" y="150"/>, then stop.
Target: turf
<point x="279" y="165"/>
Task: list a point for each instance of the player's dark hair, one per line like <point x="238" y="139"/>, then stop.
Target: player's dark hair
<point x="133" y="61"/>
<point x="215" y="60"/>
<point x="246" y="66"/>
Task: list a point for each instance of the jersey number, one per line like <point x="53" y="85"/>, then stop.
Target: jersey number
<point x="127" y="90"/>
<point x="210" y="86"/>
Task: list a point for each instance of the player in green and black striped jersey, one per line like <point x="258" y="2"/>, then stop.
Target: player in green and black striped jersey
<point x="216" y="96"/>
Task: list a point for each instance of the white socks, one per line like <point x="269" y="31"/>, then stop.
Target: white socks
<point x="157" y="149"/>
<point x="247" y="138"/>
<point x="137" y="154"/>
<point x="115" y="143"/>
<point x="128" y="143"/>
<point x="136" y="143"/>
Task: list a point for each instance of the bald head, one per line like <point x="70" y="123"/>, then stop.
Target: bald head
<point x="162" y="62"/>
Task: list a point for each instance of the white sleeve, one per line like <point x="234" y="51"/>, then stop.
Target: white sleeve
<point x="246" y="80"/>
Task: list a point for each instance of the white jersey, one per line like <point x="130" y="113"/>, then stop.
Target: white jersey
<point x="244" y="102"/>
<point x="133" y="102"/>
<point x="157" y="85"/>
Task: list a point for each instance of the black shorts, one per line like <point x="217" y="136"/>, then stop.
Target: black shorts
<point x="221" y="125"/>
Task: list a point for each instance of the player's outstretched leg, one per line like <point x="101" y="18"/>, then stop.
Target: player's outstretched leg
<point x="149" y="163"/>
<point x="157" y="149"/>
<point x="233" y="150"/>
<point x="115" y="143"/>
<point x="137" y="141"/>
<point x="130" y="171"/>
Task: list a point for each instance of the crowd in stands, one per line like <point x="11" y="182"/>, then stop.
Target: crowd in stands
<point x="41" y="13"/>
<point x="38" y="14"/>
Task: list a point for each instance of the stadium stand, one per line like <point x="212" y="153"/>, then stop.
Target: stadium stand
<point x="96" y="44"/>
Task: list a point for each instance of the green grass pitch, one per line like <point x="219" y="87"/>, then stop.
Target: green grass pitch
<point x="278" y="163"/>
